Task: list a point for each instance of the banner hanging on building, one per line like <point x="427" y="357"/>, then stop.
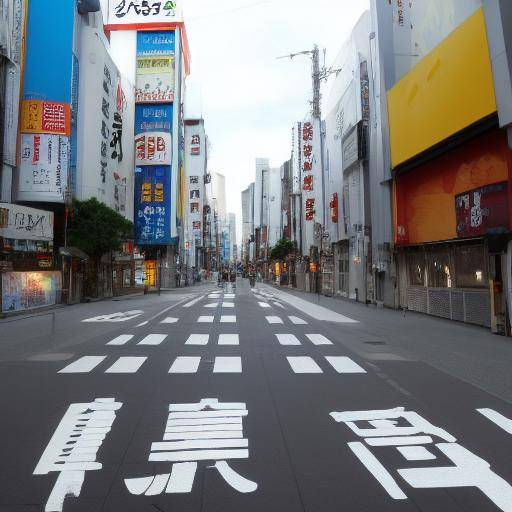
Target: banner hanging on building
<point x="24" y="223"/>
<point x="153" y="205"/>
<point x="155" y="67"/>
<point x="142" y="12"/>
<point x="44" y="167"/>
<point x="45" y="117"/>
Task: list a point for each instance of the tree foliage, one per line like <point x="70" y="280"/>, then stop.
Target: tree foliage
<point x="282" y="249"/>
<point x="97" y="229"/>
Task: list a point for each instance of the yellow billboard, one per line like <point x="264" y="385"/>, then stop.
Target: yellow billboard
<point x="449" y="90"/>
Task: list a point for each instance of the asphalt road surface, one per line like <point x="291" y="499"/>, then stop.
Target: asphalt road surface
<point x="237" y="400"/>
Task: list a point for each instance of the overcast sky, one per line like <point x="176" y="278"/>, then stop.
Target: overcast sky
<point x="250" y="100"/>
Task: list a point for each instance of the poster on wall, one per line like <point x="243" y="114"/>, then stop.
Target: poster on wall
<point x="43" y="168"/>
<point x="24" y="223"/>
<point x="45" y="117"/>
<point x="153" y="118"/>
<point x="28" y="290"/>
<point x="153" y="149"/>
<point x="482" y="211"/>
<point x="153" y="205"/>
<point x="141" y="12"/>
<point x="155" y="67"/>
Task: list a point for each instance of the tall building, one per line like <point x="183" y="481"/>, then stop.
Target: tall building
<point x="274" y="207"/>
<point x="247" y="223"/>
<point x="232" y="236"/>
<point x="152" y="46"/>
<point x="261" y="207"/>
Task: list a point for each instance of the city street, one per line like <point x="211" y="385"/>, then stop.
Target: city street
<point x="207" y="399"/>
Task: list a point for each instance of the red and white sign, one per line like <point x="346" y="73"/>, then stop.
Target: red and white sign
<point x="153" y="148"/>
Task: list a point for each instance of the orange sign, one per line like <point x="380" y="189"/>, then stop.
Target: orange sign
<point x="313" y="267"/>
<point x="45" y="117"/>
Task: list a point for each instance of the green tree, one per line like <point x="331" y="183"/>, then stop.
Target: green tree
<point x="282" y="249"/>
<point x="97" y="229"/>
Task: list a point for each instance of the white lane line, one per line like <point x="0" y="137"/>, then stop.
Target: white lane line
<point x="381" y="474"/>
<point x="297" y="321"/>
<point x="344" y="365"/>
<point x="288" y="339"/>
<point x="304" y="364"/>
<point x="169" y="320"/>
<point x="498" y="419"/>
<point x="278" y="304"/>
<point x="83" y="365"/>
<point x="121" y="340"/>
<point x="193" y="302"/>
<point x="143" y="324"/>
<point x="153" y="339"/>
<point x="274" y="320"/>
<point x="211" y="305"/>
<point x="263" y="305"/>
<point x="126" y="365"/>
<point x="228" y="304"/>
<point x="227" y="365"/>
<point x="227" y="319"/>
<point x="312" y="309"/>
<point x="229" y="339"/>
<point x="185" y="365"/>
<point x="198" y="339"/>
<point x="318" y="339"/>
<point x="206" y="319"/>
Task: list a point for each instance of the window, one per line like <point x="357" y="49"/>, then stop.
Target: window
<point x="194" y="180"/>
<point x="440" y="269"/>
<point x="194" y="194"/>
<point x="471" y="267"/>
<point x="416" y="268"/>
<point x="194" y="207"/>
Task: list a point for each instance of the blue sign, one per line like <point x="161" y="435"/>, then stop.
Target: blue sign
<point x="156" y="43"/>
<point x="153" y="205"/>
<point x="153" y="118"/>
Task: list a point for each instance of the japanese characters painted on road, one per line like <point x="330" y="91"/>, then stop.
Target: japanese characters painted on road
<point x="142" y="12"/>
<point x="115" y="317"/>
<point x="73" y="448"/>
<point x="153" y="205"/>
<point x="204" y="431"/>
<point x="44" y="167"/>
<point x="155" y="67"/>
<point x="410" y="434"/>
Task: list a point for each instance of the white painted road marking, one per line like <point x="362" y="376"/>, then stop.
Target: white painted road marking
<point x="127" y="365"/>
<point x="227" y="319"/>
<point x="229" y="295"/>
<point x="228" y="304"/>
<point x="211" y="305"/>
<point x="169" y="320"/>
<point x="227" y="365"/>
<point x="263" y="305"/>
<point x="274" y="320"/>
<point x="304" y="364"/>
<point x="288" y="339"/>
<point x="185" y="365"/>
<point x="311" y="309"/>
<point x="498" y="419"/>
<point x="318" y="339"/>
<point x="344" y="365"/>
<point x="297" y="321"/>
<point x="153" y="339"/>
<point x="121" y="340"/>
<point x="74" y="446"/>
<point x="415" y="453"/>
<point x="198" y="339"/>
<point x="214" y="296"/>
<point x="116" y="317"/>
<point x="84" y="364"/>
<point x="206" y="319"/>
<point x="193" y="302"/>
<point x="143" y="324"/>
<point x="229" y="339"/>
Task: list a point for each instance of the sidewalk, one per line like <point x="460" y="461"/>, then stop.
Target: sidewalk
<point x="468" y="352"/>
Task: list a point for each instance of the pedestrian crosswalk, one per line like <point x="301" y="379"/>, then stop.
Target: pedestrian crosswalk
<point x="189" y="365"/>
<point x="278" y="320"/>
<point x="291" y="339"/>
<point x="126" y="365"/>
<point x="153" y="339"/>
<point x="341" y="364"/>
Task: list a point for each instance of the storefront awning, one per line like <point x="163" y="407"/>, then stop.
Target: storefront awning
<point x="73" y="252"/>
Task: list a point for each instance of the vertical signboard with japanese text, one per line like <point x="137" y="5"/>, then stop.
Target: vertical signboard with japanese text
<point x="155" y="67"/>
<point x="153" y="205"/>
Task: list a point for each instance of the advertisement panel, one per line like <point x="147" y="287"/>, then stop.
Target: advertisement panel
<point x="153" y="149"/>
<point x="155" y="67"/>
<point x="44" y="167"/>
<point x="153" y="118"/>
<point x="28" y="290"/>
<point x="24" y="223"/>
<point x="153" y="205"/>
<point x="483" y="210"/>
<point x="45" y="117"/>
<point x="142" y="12"/>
